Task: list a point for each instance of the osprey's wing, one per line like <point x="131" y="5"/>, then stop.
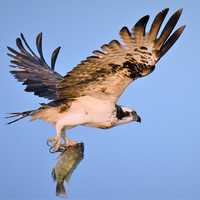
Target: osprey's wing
<point x="108" y="72"/>
<point x="32" y="70"/>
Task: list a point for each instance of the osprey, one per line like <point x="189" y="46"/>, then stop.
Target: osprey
<point x="88" y="94"/>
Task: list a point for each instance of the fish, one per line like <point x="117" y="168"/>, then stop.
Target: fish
<point x="67" y="161"/>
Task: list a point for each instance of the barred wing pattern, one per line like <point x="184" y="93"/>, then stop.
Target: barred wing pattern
<point x="33" y="71"/>
<point x="108" y="72"/>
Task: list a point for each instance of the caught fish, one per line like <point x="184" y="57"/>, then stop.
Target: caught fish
<point x="67" y="162"/>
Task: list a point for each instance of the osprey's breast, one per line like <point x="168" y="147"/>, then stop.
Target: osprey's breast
<point x="97" y="113"/>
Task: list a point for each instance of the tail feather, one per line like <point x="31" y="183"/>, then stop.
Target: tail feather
<point x="19" y="115"/>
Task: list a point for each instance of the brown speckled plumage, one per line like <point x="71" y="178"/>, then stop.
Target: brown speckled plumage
<point x="105" y="74"/>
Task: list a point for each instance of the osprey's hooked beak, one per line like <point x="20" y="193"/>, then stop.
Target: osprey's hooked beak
<point x="136" y="117"/>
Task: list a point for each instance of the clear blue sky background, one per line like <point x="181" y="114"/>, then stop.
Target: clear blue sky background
<point x="158" y="159"/>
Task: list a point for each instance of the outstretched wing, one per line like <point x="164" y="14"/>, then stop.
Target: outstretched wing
<point x="33" y="70"/>
<point x="108" y="72"/>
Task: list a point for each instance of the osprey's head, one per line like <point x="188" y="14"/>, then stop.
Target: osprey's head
<point x="125" y="115"/>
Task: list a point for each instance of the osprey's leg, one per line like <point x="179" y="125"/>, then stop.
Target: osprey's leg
<point x="69" y="142"/>
<point x="56" y="141"/>
<point x="60" y="140"/>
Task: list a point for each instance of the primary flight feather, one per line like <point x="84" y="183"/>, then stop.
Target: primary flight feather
<point x="88" y="94"/>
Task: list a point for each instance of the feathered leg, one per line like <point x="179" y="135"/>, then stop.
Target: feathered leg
<point x="55" y="141"/>
<point x="60" y="140"/>
<point x="69" y="142"/>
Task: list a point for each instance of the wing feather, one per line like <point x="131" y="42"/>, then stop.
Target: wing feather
<point x="33" y="70"/>
<point x="126" y="36"/>
<point x="39" y="48"/>
<point x="172" y="39"/>
<point x="155" y="27"/>
<point x="139" y="30"/>
<point x="54" y="57"/>
<point x="111" y="70"/>
<point x="168" y="29"/>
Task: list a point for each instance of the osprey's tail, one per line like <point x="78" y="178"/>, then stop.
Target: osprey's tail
<point x="20" y="115"/>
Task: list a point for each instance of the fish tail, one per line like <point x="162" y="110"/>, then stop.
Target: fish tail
<point x="60" y="190"/>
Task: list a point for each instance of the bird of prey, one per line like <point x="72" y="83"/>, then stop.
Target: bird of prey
<point x="88" y="94"/>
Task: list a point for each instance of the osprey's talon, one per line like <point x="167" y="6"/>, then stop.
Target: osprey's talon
<point x="48" y="143"/>
<point x="51" y="150"/>
<point x="62" y="148"/>
<point x="54" y="143"/>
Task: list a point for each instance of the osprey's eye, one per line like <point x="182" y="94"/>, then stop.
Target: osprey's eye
<point x="133" y="113"/>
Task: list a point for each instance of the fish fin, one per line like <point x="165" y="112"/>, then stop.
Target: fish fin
<point x="60" y="190"/>
<point x="53" y="174"/>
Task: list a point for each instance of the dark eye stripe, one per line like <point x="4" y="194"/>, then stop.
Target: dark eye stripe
<point x="126" y="114"/>
<point x="120" y="113"/>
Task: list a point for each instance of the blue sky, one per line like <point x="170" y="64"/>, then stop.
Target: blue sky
<point x="157" y="159"/>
